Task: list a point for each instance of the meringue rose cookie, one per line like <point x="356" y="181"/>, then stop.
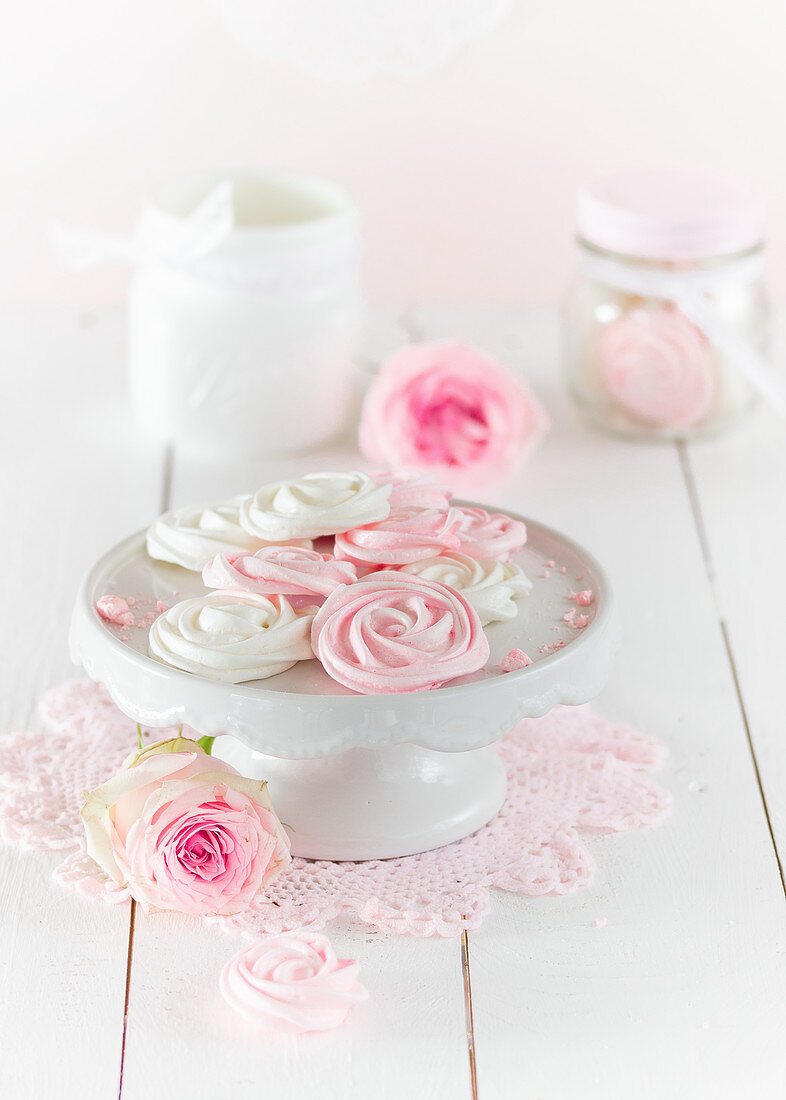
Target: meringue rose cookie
<point x="292" y="983"/>
<point x="191" y="536"/>
<point x="658" y="366"/>
<point x="407" y="535"/>
<point x="484" y="535"/>
<point x="449" y="408"/>
<point x="279" y="571"/>
<point x="232" y="636"/>
<point x="314" y="505"/>
<point x="414" y="490"/>
<point x="492" y="587"/>
<point x="395" y="633"/>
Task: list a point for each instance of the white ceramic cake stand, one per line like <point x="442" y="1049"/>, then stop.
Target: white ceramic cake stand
<point x="362" y="776"/>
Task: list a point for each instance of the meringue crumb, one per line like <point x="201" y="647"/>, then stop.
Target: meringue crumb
<point x="550" y="564"/>
<point x="514" y="660"/>
<point x="601" y="922"/>
<point x="545" y="574"/>
<point x="563" y="569"/>
<point x="115" y="610"/>
<point x="161" y="607"/>
<point x="583" y="599"/>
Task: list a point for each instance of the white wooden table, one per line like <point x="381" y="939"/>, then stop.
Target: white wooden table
<point x="681" y="994"/>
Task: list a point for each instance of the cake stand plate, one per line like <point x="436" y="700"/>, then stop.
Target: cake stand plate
<point x="362" y="776"/>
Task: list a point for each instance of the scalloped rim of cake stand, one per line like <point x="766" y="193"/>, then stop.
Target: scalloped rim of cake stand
<point x="300" y="726"/>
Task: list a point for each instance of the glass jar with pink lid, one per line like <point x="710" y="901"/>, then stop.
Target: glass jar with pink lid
<point x="667" y="323"/>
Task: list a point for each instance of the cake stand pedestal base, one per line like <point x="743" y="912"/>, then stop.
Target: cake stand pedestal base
<point x="376" y="803"/>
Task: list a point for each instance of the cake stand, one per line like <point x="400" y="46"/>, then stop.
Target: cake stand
<point x="362" y="776"/>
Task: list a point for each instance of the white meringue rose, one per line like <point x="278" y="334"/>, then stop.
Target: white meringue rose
<point x="490" y="586"/>
<point x="232" y="637"/>
<point x="191" y="536"/>
<point x="314" y="505"/>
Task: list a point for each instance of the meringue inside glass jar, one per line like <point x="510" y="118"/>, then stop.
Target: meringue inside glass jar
<point x="668" y="311"/>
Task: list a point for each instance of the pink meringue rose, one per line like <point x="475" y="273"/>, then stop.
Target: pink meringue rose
<point x="184" y="831"/>
<point x="658" y="366"/>
<point x="292" y="983"/>
<point x="484" y="535"/>
<point x="279" y="571"/>
<point x="449" y="408"/>
<point x="407" y="535"/>
<point x="392" y="632"/>
<point x="414" y="490"/>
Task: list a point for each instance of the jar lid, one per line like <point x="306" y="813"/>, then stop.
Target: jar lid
<point x="670" y="215"/>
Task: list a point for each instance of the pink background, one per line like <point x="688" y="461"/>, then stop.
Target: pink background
<point x="465" y="178"/>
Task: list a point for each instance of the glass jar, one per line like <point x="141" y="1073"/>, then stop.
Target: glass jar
<point x="245" y="313"/>
<point x="667" y="323"/>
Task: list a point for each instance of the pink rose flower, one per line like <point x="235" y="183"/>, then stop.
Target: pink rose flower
<point x="292" y="983"/>
<point x="393" y="632"/>
<point x="279" y="571"/>
<point x="484" y="535"/>
<point x="184" y="831"/>
<point x="658" y="366"/>
<point x="407" y="535"/>
<point x="449" y="408"/>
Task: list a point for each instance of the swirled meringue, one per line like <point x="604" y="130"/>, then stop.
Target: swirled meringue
<point x="314" y="505"/>
<point x="658" y="366"/>
<point x="407" y="535"/>
<point x="411" y="489"/>
<point x="232" y="637"/>
<point x="292" y="983"/>
<point x="484" y="535"/>
<point x="279" y="571"/>
<point x="395" y="633"/>
<point x="191" y="536"/>
<point x="492" y="587"/>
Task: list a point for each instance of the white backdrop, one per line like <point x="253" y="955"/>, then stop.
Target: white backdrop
<point x="466" y="177"/>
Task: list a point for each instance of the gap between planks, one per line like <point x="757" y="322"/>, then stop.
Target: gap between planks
<point x="704" y="542"/>
<point x="129" y="961"/>
<point x="467" y="983"/>
<point x="164" y="503"/>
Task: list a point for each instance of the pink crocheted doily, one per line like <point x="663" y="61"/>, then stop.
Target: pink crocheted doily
<point x="568" y="772"/>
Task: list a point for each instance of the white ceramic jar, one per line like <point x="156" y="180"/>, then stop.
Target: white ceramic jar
<point x="245" y="313"/>
<point x="667" y="323"/>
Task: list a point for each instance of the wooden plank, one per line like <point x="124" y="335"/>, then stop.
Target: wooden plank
<point x="73" y="479"/>
<point x="182" y="1038"/>
<point x="740" y="483"/>
<point x="682" y="992"/>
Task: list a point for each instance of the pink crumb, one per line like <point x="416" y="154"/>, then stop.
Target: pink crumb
<point x="114" y="609"/>
<point x="563" y="569"/>
<point x="516" y="659"/>
<point x="550" y="564"/>
<point x="551" y="647"/>
<point x="601" y="922"/>
<point x="161" y="607"/>
<point x="545" y="574"/>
